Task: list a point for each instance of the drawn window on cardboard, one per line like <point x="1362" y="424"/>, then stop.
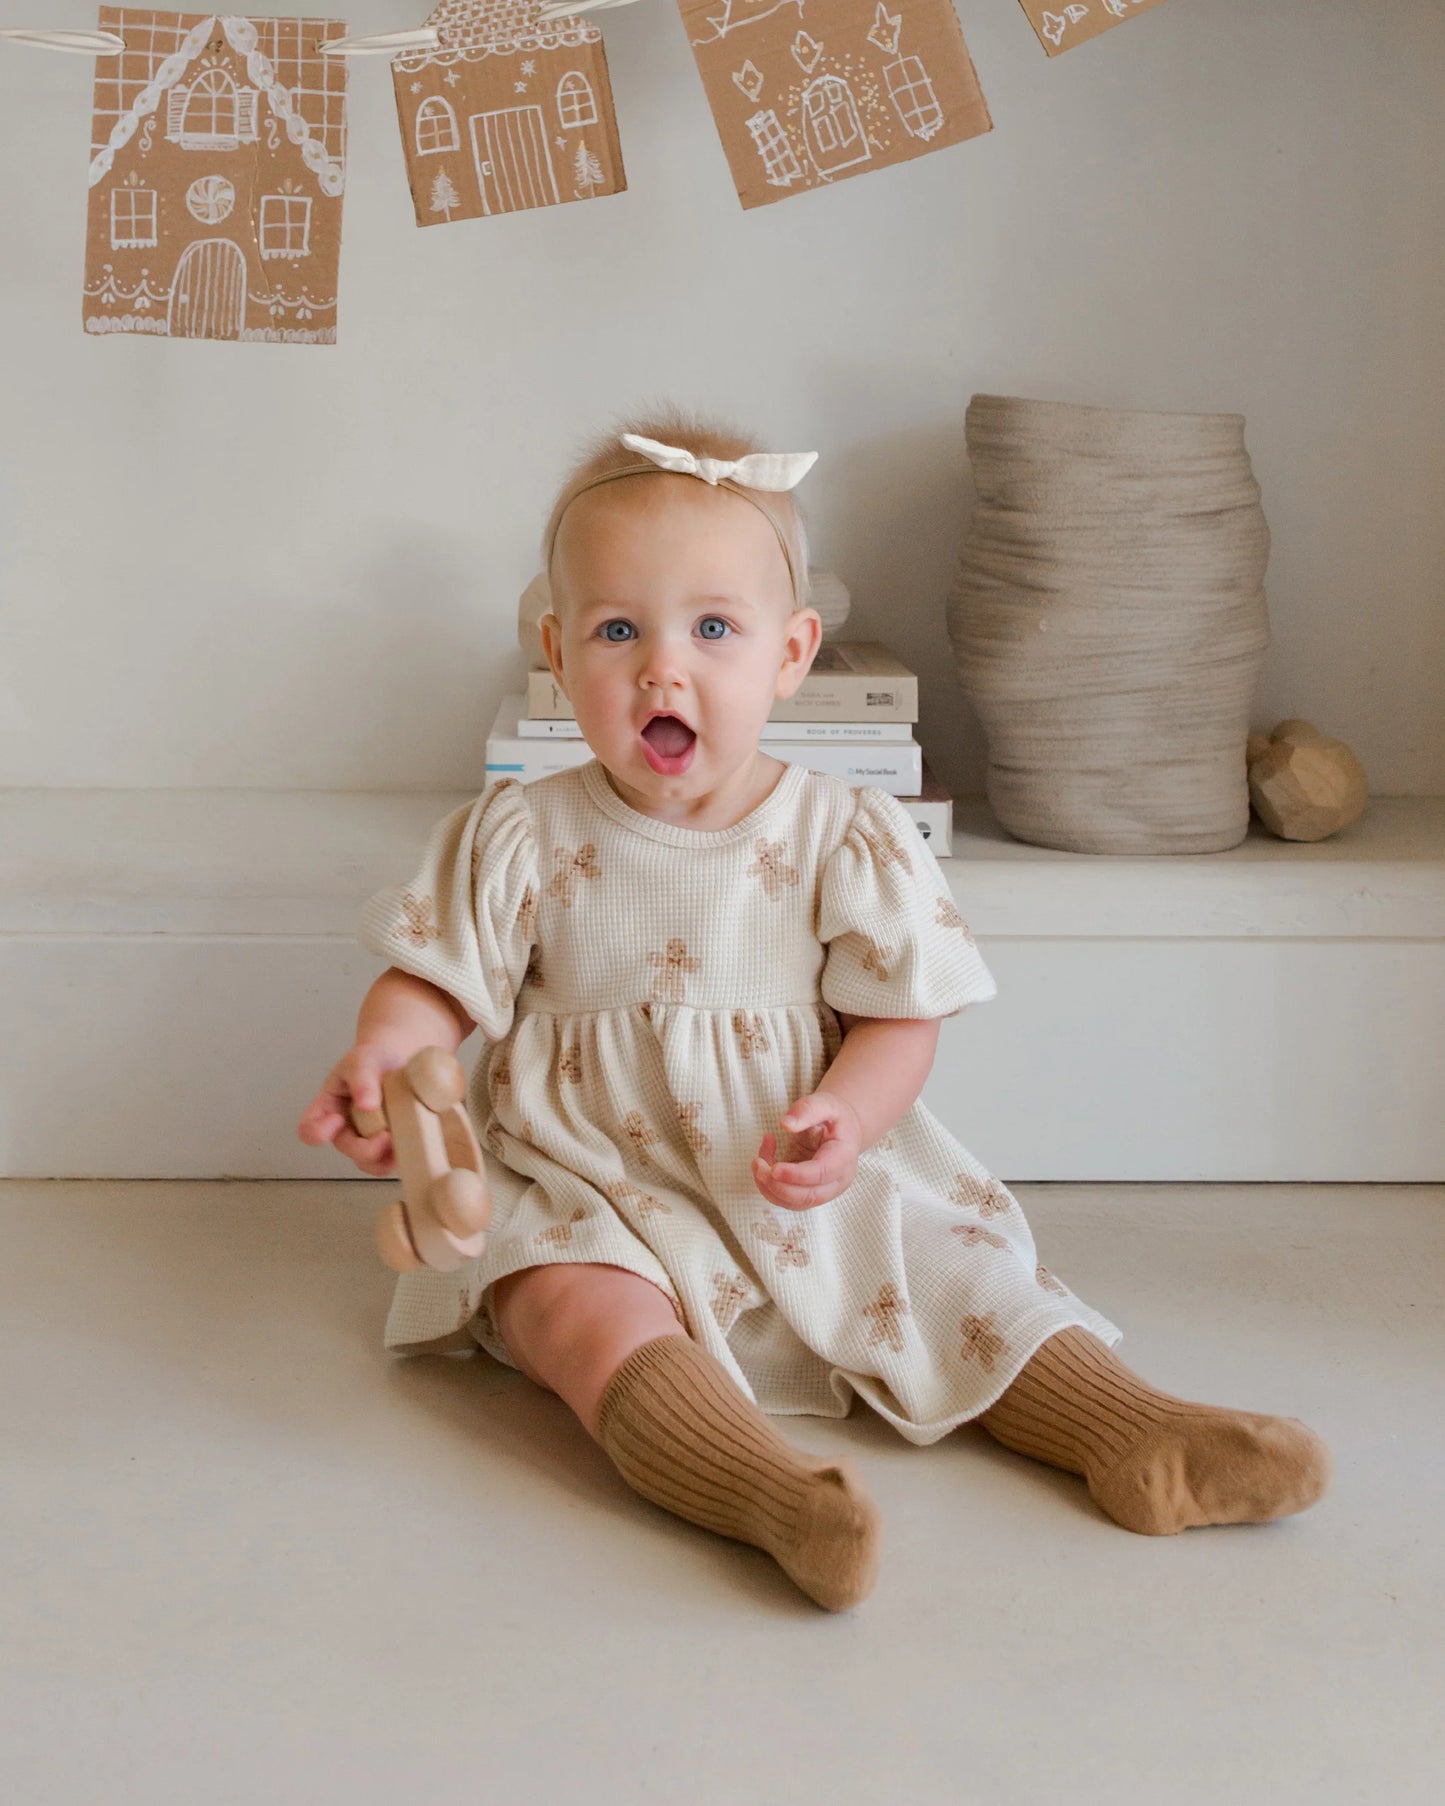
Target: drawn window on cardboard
<point x="436" y="127"/>
<point x="1060" y="27"/>
<point x="780" y="165"/>
<point x="285" y="225"/>
<point x="576" y="103"/>
<point x="213" y="113"/>
<point x="218" y="163"/>
<point x="804" y="93"/>
<point x="912" y="94"/>
<point x="132" y="218"/>
<point x="520" y="109"/>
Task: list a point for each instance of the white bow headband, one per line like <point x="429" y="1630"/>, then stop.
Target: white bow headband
<point x="759" y="470"/>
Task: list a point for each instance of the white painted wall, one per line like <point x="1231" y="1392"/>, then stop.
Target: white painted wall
<point x="293" y="567"/>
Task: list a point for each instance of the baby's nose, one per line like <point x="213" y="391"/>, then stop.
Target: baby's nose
<point x="663" y="666"/>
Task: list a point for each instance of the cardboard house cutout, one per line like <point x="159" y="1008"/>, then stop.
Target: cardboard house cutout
<point x="218" y="160"/>
<point x="507" y="113"/>
<point x="1061" y="26"/>
<point x="808" y="92"/>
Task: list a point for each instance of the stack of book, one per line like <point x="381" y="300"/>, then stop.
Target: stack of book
<point x="853" y="716"/>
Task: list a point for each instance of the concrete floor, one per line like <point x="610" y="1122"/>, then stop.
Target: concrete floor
<point x="250" y="1558"/>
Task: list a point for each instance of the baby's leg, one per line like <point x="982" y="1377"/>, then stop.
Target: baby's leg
<point x="680" y="1432"/>
<point x="1157" y="1464"/>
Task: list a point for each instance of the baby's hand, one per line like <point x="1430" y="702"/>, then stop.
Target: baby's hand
<point x="355" y="1079"/>
<point x="824" y="1141"/>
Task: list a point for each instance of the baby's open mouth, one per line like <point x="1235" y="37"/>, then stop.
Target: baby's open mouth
<point x="668" y="745"/>
<point x="668" y="736"/>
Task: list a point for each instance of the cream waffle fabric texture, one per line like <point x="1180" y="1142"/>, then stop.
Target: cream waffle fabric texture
<point x="651" y="999"/>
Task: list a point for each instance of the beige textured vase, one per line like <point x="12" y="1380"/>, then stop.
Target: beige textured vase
<point x="1109" y="623"/>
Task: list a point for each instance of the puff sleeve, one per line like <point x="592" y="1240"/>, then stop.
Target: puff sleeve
<point x="467" y="920"/>
<point x="896" y="944"/>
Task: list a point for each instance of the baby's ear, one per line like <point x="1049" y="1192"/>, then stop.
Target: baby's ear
<point x="553" y="654"/>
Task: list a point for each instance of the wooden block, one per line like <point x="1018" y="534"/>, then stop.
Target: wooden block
<point x="1303" y="784"/>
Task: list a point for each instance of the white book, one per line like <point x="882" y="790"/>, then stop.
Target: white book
<point x="895" y="766"/>
<point x="533" y="727"/>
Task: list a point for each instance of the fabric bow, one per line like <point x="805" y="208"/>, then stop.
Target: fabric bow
<point x="759" y="470"/>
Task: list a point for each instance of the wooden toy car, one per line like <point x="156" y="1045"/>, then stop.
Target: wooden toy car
<point x="444" y="1209"/>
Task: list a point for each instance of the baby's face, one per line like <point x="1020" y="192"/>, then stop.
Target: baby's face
<point x="669" y="595"/>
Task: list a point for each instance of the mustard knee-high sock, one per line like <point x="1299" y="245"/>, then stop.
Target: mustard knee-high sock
<point x="1156" y="1464"/>
<point x="682" y="1434"/>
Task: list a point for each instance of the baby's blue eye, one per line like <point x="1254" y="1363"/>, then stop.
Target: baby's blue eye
<point x="721" y="623"/>
<point x="607" y="631"/>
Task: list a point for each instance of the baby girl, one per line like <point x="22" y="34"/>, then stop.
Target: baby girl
<point x="710" y="986"/>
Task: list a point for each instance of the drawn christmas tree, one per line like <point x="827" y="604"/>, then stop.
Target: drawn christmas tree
<point x="444" y="195"/>
<point x="586" y="173"/>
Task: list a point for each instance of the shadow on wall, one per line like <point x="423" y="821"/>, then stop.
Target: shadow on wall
<point x="892" y="525"/>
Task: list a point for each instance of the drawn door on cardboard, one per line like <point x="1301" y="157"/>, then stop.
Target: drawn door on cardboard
<point x="832" y="127"/>
<point x="208" y="294"/>
<point x="514" y="163"/>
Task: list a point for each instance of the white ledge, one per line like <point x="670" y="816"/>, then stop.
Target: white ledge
<point x="299" y="862"/>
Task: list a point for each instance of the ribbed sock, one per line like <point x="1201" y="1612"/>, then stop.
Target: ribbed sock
<point x="1156" y="1464"/>
<point x="683" y="1435"/>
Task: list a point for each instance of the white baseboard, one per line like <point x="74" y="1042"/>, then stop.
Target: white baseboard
<point x="179" y="971"/>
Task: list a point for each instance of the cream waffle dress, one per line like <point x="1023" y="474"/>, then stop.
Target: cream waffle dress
<point x="651" y="999"/>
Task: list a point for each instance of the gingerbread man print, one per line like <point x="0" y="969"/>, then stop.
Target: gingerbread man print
<point x="641" y="1137"/>
<point x="875" y="960"/>
<point x="561" y="1232"/>
<point x="667" y="987"/>
<point x="418" y="928"/>
<point x="948" y="917"/>
<point x="696" y="1139"/>
<point x="730" y="1292"/>
<point x="527" y="914"/>
<point x="981" y="1342"/>
<point x="884" y="1313"/>
<point x="986" y="1196"/>
<point x="975" y="1234"/>
<point x="770" y="867"/>
<point x="790" y="1244"/>
<point x="570" y="867"/>
<point x="886" y="850"/>
<point x="621" y="1192"/>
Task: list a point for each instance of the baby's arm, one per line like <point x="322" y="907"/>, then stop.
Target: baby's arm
<point x="875" y="1080"/>
<point x="402" y="1010"/>
<point x="399" y="1015"/>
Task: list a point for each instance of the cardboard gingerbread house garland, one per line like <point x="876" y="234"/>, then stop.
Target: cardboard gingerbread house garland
<point x="808" y="92"/>
<point x="218" y="162"/>
<point x="508" y="112"/>
<point x="1061" y="26"/>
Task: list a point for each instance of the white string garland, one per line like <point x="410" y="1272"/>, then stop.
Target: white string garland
<point x="81" y="43"/>
<point x="383" y="43"/>
<point x="378" y="43"/>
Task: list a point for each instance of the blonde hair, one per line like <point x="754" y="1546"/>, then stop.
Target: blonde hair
<point x="605" y="453"/>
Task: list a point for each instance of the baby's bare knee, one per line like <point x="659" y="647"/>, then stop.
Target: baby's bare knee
<point x="568" y="1326"/>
